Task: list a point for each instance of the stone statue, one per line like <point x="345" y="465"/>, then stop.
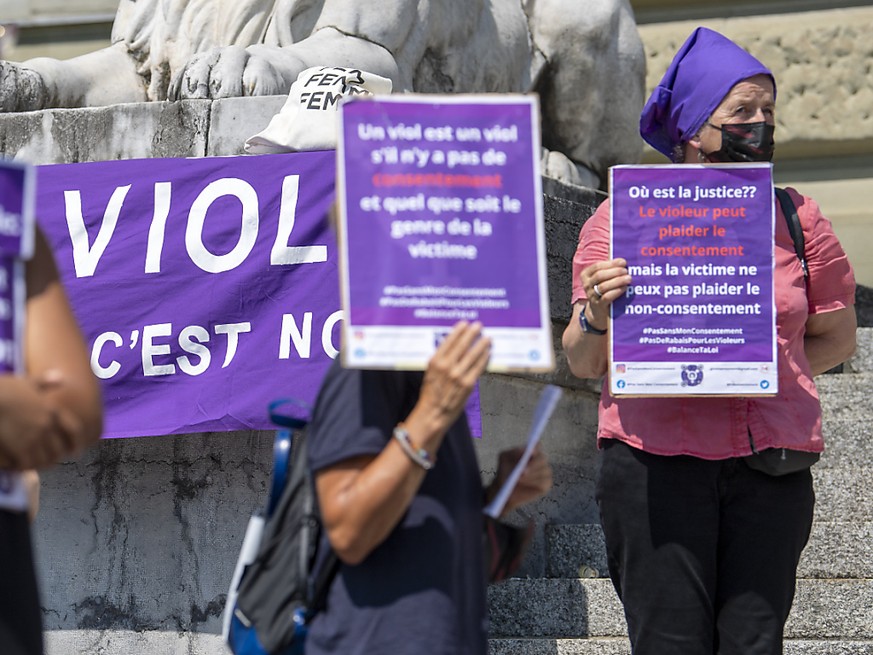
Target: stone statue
<point x="585" y="59"/>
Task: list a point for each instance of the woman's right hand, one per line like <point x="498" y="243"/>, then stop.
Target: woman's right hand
<point x="604" y="282"/>
<point x="450" y="378"/>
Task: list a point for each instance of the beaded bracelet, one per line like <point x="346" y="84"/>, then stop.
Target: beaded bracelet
<point x="417" y="455"/>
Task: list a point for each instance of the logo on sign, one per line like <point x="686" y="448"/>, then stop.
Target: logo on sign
<point x="692" y="375"/>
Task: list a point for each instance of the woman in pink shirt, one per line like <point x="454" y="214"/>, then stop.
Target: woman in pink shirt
<point x="702" y="545"/>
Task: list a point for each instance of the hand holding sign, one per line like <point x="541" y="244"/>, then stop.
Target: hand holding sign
<point x="604" y="282"/>
<point x="451" y="376"/>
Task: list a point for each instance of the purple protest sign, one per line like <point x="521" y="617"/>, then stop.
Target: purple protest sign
<point x="699" y="318"/>
<point x="16" y="209"/>
<point x="12" y="310"/>
<point x="205" y="288"/>
<point x="16" y="245"/>
<point x="441" y="221"/>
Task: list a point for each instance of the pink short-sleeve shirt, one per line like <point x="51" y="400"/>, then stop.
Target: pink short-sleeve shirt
<point x="718" y="428"/>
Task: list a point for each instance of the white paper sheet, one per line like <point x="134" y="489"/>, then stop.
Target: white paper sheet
<point x="548" y="401"/>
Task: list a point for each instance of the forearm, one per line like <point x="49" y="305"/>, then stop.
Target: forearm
<point x="586" y="353"/>
<point x="368" y="506"/>
<point x="57" y="359"/>
<point x="824" y="352"/>
<point x="830" y="338"/>
<point x="54" y="408"/>
<point x="364" y="513"/>
<point x="73" y="82"/>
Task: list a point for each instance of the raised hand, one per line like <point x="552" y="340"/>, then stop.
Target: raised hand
<point x="451" y="375"/>
<point x="604" y="282"/>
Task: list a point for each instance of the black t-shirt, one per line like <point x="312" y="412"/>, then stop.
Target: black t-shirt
<point x="423" y="589"/>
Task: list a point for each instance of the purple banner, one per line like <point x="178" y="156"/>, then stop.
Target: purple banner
<point x="699" y="245"/>
<point x="205" y="287"/>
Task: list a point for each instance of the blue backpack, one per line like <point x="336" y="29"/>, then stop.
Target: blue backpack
<point x="281" y="580"/>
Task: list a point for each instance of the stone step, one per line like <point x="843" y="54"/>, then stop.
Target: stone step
<point x="843" y="494"/>
<point x="862" y="360"/>
<point x="619" y="646"/>
<point x="551" y="608"/>
<point x="848" y="443"/>
<point x="117" y="641"/>
<point x="845" y="395"/>
<point x="88" y="642"/>
<point x="836" y="549"/>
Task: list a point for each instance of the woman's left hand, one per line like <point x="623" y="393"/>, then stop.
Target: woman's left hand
<point x="534" y="482"/>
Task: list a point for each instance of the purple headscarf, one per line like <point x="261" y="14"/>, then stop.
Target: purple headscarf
<point x="699" y="77"/>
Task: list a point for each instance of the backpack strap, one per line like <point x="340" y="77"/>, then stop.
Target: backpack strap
<point x="794" y="227"/>
<point x="293" y="417"/>
<point x="281" y="467"/>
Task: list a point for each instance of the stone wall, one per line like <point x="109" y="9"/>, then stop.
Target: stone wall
<point x="54" y="28"/>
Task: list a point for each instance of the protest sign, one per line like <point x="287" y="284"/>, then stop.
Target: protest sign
<point x="699" y="316"/>
<point x="441" y="220"/>
<point x="16" y="245"/>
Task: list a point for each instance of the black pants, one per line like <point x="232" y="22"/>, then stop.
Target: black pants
<point x="703" y="554"/>
<point x="20" y="613"/>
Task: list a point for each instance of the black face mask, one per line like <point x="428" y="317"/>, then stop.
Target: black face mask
<point x="744" y="142"/>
